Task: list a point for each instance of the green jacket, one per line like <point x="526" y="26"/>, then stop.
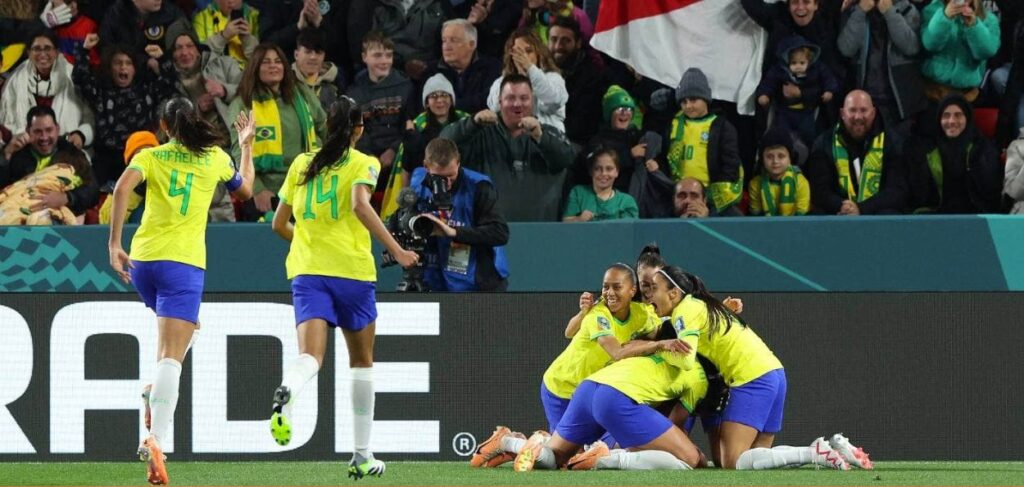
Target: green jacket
<point x="956" y="54"/>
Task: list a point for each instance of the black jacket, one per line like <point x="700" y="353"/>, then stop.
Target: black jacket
<point x="826" y="193"/>
<point x="122" y="24"/>
<point x="473" y="85"/>
<point x="821" y="30"/>
<point x="23" y="163"/>
<point x="586" y="83"/>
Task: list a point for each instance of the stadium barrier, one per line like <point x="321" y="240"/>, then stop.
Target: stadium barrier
<point x="919" y="253"/>
<point x="908" y="376"/>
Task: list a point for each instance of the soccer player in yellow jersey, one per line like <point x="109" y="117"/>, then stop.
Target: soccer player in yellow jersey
<point x="606" y="335"/>
<point x="619" y="399"/>
<point x="333" y="272"/>
<point x="756" y="379"/>
<point x="168" y="251"/>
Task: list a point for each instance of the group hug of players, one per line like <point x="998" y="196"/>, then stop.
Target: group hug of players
<point x="627" y="389"/>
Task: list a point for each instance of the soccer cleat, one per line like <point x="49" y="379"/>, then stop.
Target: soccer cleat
<point x="156" y="470"/>
<point x="280" y="427"/>
<point x="489" y="449"/>
<point x="146" y="414"/>
<point x="587" y="460"/>
<point x="361" y="466"/>
<point x="823" y="455"/>
<point x="528" y="455"/>
<point x="854" y="456"/>
<point x="504" y="457"/>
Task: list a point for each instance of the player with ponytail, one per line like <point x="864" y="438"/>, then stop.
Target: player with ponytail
<point x="333" y="272"/>
<point x="168" y="252"/>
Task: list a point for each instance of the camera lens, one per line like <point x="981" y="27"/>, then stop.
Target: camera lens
<point x="421" y="226"/>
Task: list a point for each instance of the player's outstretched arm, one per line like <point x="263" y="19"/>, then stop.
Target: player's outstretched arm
<point x="245" y="127"/>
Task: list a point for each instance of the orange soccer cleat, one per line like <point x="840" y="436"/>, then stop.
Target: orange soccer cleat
<point x="587" y="460"/>
<point x="156" y="470"/>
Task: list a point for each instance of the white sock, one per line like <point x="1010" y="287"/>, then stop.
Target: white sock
<point x="546" y="459"/>
<point x="641" y="460"/>
<point x="777" y="457"/>
<point x="512" y="444"/>
<point x="295" y="377"/>
<point x="164" y="396"/>
<point x="362" y="408"/>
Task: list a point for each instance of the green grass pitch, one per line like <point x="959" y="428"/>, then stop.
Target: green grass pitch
<point x="451" y="473"/>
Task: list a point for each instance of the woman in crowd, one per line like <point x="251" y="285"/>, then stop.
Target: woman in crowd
<point x="289" y="121"/>
<point x="525" y="54"/>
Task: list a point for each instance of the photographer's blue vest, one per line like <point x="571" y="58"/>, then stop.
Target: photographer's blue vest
<point x="436" y="272"/>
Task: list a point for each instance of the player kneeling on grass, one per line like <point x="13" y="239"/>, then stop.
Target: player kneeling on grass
<point x="618" y="400"/>
<point x="757" y="381"/>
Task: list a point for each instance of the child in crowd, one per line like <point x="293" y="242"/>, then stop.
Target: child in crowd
<point x="780" y="189"/>
<point x="797" y="86"/>
<point x="600" y="200"/>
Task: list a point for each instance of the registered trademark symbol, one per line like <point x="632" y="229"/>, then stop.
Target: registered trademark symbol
<point x="464" y="444"/>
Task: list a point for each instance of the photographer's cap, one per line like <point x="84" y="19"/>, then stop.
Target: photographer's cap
<point x="437" y="83"/>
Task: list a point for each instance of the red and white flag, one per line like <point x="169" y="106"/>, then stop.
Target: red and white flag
<point x="663" y="38"/>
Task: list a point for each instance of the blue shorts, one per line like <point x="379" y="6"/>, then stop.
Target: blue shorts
<point x="759" y="403"/>
<point x="596" y="409"/>
<point x="554" y="406"/>
<point x="171" y="289"/>
<point x="708" y="422"/>
<point x="342" y="302"/>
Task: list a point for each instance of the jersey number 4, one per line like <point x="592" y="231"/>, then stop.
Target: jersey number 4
<point x="321" y="197"/>
<point x="185" y="190"/>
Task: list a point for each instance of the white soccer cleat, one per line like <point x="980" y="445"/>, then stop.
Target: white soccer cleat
<point x="853" y="455"/>
<point x="823" y="455"/>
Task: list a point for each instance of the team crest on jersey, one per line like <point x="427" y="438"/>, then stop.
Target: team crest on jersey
<point x="266" y="133"/>
<point x="679" y="325"/>
<point x="604" y="323"/>
<point x="705" y="137"/>
<point x="154" y="33"/>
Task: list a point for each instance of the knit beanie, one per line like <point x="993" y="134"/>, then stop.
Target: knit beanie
<point x="136" y="141"/>
<point x="437" y="83"/>
<point x="176" y="30"/>
<point x="777" y="137"/>
<point x="693" y="85"/>
<point x="614" y="98"/>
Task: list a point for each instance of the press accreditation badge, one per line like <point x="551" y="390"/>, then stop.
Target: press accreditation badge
<point x="458" y="258"/>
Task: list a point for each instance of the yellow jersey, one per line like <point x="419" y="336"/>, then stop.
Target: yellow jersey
<point x="585" y="355"/>
<point x="329" y="240"/>
<point x="652" y="380"/>
<point x="179" y="189"/>
<point x="740" y="355"/>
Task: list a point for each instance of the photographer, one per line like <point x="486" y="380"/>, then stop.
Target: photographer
<point x="464" y="252"/>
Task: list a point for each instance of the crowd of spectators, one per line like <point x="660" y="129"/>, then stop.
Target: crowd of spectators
<point x="864" y="107"/>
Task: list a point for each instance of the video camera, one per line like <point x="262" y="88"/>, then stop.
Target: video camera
<point x="411" y="229"/>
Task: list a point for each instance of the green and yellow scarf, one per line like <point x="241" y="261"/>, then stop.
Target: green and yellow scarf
<point x="786" y="189"/>
<point x="722" y="194"/>
<point x="870" y="173"/>
<point x="268" y="148"/>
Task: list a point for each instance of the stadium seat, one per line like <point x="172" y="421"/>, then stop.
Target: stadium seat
<point x="985" y="119"/>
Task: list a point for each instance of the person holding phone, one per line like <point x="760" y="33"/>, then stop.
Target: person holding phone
<point x="958" y="37"/>
<point x="229" y="27"/>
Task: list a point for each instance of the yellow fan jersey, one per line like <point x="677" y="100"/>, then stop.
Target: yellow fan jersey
<point x="740" y="355"/>
<point x="584" y="355"/>
<point x="652" y="380"/>
<point x="329" y="240"/>
<point x="179" y="189"/>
